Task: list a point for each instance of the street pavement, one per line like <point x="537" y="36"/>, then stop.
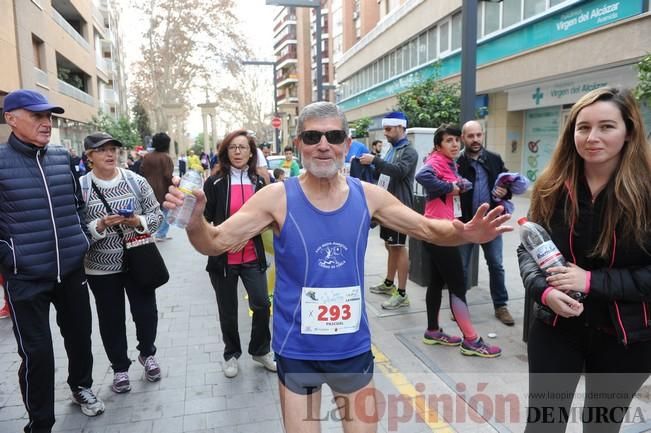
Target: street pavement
<point x="469" y="394"/>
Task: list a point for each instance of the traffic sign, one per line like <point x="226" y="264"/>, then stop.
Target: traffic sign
<point x="276" y="122"/>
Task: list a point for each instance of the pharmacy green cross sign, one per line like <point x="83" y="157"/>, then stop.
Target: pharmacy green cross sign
<point x="538" y="95"/>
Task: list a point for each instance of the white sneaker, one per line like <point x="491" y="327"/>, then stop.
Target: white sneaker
<point x="231" y="368"/>
<point x="267" y="361"/>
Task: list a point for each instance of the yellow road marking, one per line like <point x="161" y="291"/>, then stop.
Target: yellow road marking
<point x="416" y="399"/>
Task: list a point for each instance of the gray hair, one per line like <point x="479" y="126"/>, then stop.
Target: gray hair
<point x="322" y="109"/>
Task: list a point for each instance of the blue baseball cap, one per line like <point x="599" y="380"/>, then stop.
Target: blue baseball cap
<point x="30" y="101"/>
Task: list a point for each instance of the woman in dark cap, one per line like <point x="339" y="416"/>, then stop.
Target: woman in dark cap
<point x="134" y="211"/>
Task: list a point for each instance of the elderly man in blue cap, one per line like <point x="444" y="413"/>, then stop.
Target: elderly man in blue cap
<point x="395" y="173"/>
<point x="42" y="247"/>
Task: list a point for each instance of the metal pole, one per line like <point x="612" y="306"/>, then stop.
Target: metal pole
<point x="468" y="59"/>
<point x="318" y="60"/>
<point x="468" y="90"/>
<point x="276" y="130"/>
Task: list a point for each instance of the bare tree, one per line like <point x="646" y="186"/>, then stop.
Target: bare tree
<point x="186" y="40"/>
<point x="248" y="104"/>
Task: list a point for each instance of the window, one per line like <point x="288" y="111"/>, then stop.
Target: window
<point x="511" y="12"/>
<point x="376" y="75"/>
<point x="555" y="2"/>
<point x="533" y="7"/>
<point x="456" y="31"/>
<point x="491" y="18"/>
<point x="422" y="48"/>
<point x="444" y="37"/>
<point x="413" y="53"/>
<point x="38" y="50"/>
<point x="392" y="64"/>
<point x="431" y="44"/>
<point x="405" y="57"/>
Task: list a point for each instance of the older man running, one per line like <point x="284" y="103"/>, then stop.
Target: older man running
<point x="321" y="221"/>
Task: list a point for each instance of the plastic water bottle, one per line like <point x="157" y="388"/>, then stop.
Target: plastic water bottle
<point x="539" y="244"/>
<point x="180" y="216"/>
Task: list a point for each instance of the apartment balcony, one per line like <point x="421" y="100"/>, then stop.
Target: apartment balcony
<point x="73" y="92"/>
<point x="107" y="42"/>
<point x="286" y="60"/>
<point x="288" y="37"/>
<point x="65" y="25"/>
<point x="287" y="79"/>
<point x="41" y="77"/>
<point x="285" y="99"/>
<point x="286" y="20"/>
<point x="110" y="96"/>
<point x="99" y="18"/>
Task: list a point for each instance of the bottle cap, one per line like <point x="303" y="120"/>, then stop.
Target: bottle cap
<point x="522" y="220"/>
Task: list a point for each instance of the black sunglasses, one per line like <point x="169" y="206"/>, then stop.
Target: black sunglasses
<point x="336" y="136"/>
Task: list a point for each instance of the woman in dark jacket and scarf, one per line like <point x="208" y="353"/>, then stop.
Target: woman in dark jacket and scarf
<point x="595" y="200"/>
<point x="233" y="184"/>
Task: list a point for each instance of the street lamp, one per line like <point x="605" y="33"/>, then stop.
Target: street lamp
<point x="319" y="65"/>
<point x="273" y="64"/>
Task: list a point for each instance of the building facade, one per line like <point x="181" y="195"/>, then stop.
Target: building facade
<point x="69" y="50"/>
<point x="343" y="23"/>
<point x="535" y="58"/>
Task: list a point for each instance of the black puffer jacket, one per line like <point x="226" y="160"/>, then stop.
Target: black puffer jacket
<point x="218" y="204"/>
<point x="41" y="235"/>
<point x="619" y="300"/>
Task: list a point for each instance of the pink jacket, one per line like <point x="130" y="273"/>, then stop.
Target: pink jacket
<point x="438" y="176"/>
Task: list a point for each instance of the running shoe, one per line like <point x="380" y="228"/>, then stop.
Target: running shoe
<point x="440" y="337"/>
<point x="267" y="361"/>
<point x="396" y="301"/>
<point x="152" y="369"/>
<point x="121" y="382"/>
<point x="231" y="368"/>
<point x="479" y="348"/>
<point x="383" y="289"/>
<point x="85" y="398"/>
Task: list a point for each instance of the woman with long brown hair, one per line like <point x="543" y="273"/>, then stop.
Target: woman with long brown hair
<point x="594" y="198"/>
<point x="234" y="183"/>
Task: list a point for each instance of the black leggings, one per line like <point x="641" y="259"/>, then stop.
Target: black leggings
<point x="557" y="357"/>
<point x="446" y="268"/>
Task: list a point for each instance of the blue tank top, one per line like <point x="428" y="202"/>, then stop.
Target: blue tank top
<point x="319" y="249"/>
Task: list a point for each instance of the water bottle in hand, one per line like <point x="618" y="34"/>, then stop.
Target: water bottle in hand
<point x="180" y="216"/>
<point x="539" y="244"/>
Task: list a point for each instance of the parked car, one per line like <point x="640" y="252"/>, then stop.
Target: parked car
<point x="276" y="160"/>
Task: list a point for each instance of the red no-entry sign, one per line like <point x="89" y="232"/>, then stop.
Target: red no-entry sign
<point x="275" y="122"/>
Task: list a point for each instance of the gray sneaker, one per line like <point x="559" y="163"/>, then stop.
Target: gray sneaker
<point x="90" y="405"/>
<point x="121" y="382"/>
<point x="396" y="301"/>
<point x="383" y="289"/>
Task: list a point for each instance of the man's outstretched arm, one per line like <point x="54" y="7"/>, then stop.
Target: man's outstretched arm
<point x="255" y="215"/>
<point x="390" y="212"/>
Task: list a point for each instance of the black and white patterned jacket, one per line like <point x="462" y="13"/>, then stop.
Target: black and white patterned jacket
<point x="106" y="252"/>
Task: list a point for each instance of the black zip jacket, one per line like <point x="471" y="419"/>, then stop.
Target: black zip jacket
<point x="218" y="204"/>
<point x="493" y="164"/>
<point x="619" y="299"/>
